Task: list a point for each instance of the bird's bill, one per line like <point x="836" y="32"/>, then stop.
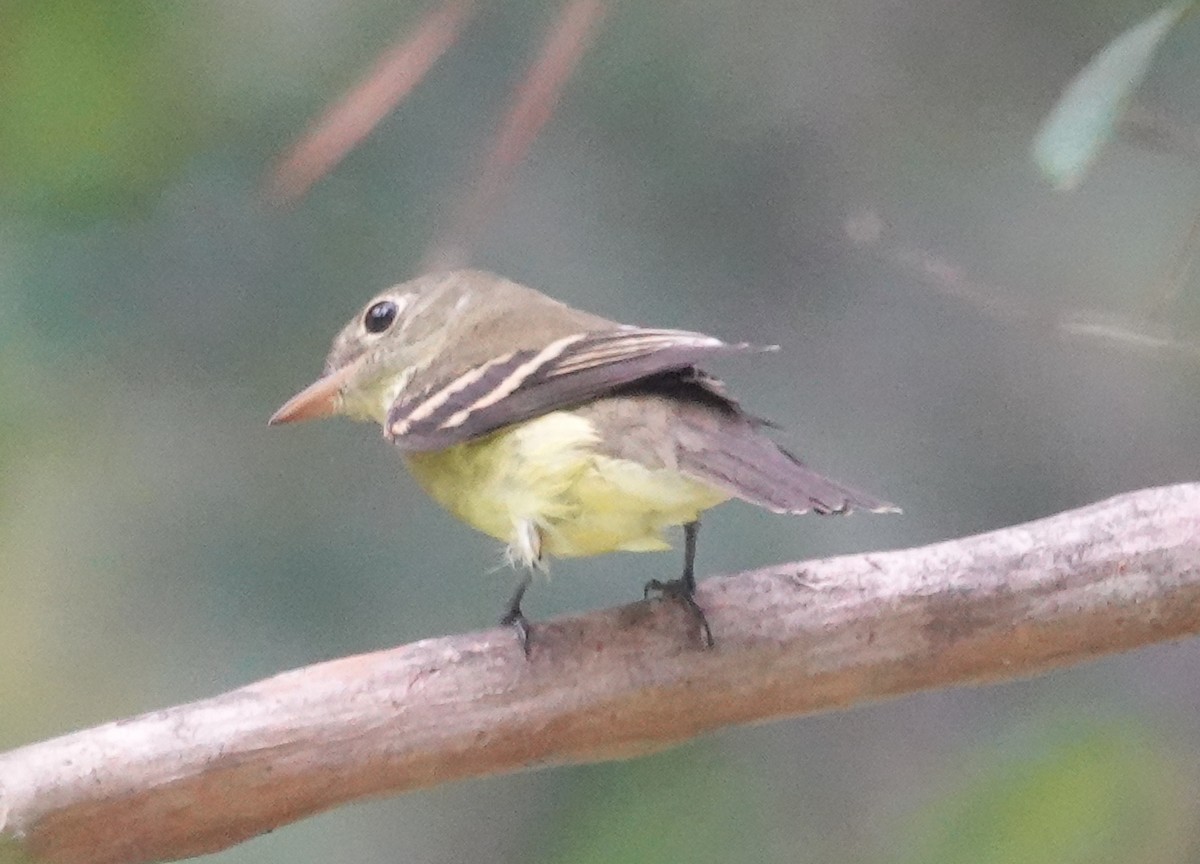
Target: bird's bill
<point x="321" y="398"/>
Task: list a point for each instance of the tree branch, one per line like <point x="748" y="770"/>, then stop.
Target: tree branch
<point x="791" y="639"/>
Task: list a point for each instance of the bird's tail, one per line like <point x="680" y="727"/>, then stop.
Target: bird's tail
<point x="738" y="458"/>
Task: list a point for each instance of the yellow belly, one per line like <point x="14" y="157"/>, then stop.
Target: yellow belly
<point x="542" y="487"/>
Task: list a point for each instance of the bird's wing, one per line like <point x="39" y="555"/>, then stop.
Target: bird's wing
<point x="736" y="457"/>
<point x="524" y="384"/>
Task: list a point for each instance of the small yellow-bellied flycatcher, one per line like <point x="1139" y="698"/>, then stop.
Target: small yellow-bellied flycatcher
<point x="555" y="430"/>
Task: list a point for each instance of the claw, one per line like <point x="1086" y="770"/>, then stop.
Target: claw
<point x="682" y="591"/>
<point x="516" y="619"/>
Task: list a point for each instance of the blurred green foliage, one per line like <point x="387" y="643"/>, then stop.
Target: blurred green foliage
<point x="1068" y="792"/>
<point x="97" y="109"/>
<point x="11" y="853"/>
<point x="690" y="805"/>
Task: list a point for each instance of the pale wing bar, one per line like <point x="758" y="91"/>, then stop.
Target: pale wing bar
<point x="530" y="383"/>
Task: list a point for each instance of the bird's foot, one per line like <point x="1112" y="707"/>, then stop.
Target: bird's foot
<point x="516" y="619"/>
<point x="683" y="591"/>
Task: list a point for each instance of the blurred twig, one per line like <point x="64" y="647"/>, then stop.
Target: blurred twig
<point x="1157" y="130"/>
<point x="345" y="124"/>
<point x="870" y="233"/>
<point x="792" y="639"/>
<point x="533" y="103"/>
<point x="1181" y="270"/>
<point x="398" y="71"/>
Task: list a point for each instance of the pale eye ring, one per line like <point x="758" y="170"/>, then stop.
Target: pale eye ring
<point x="380" y="316"/>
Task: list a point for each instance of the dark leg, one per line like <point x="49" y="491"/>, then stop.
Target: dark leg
<point x="690" y="531"/>
<point x="514" y="617"/>
<point x="683" y="589"/>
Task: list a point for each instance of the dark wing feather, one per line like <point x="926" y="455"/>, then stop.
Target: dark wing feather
<point x="526" y="384"/>
<point x="754" y="468"/>
<point x="727" y="449"/>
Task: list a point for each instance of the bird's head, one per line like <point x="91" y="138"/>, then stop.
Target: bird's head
<point x="397" y="333"/>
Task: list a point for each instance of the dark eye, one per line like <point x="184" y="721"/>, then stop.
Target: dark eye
<point x="380" y="316"/>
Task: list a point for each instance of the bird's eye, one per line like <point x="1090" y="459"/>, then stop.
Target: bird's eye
<point x="380" y="316"/>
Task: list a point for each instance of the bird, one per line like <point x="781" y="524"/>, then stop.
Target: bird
<point x="559" y="432"/>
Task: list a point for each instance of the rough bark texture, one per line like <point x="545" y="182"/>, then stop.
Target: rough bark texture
<point x="792" y="639"/>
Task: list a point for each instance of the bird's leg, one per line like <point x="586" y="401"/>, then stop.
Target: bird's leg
<point x="683" y="589"/>
<point x="514" y="617"/>
<point x="690" y="532"/>
<point x="524" y="551"/>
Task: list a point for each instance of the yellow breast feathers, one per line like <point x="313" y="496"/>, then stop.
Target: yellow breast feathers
<point x="544" y="487"/>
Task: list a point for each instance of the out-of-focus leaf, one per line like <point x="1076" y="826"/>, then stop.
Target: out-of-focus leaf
<point x="1093" y="796"/>
<point x="1083" y="119"/>
<point x="12" y="853"/>
<point x="678" y="806"/>
<point x="96" y="104"/>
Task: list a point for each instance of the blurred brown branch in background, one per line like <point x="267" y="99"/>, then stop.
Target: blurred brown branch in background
<point x="533" y="104"/>
<point x="1157" y="130"/>
<point x="348" y="122"/>
<point x="792" y="639"/>
<point x="1151" y="333"/>
<point x="1161" y="132"/>
<point x="395" y="75"/>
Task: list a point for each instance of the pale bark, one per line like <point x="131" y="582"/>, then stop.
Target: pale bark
<point x="791" y="640"/>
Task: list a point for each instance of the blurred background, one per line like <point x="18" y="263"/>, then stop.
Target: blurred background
<point x="851" y="181"/>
